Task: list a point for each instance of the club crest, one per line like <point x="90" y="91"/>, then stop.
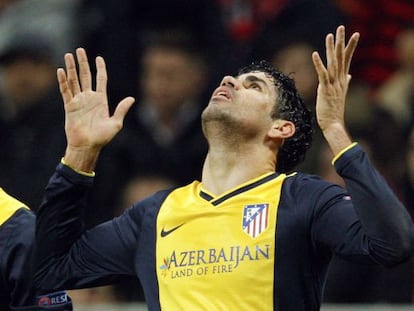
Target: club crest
<point x="255" y="218"/>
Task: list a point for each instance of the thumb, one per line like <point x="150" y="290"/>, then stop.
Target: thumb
<point x="122" y="108"/>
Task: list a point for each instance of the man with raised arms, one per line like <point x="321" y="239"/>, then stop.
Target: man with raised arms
<point x="252" y="234"/>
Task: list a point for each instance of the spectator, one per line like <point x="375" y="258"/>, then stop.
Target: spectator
<point x="396" y="94"/>
<point x="162" y="134"/>
<point x="117" y="30"/>
<point x="31" y="121"/>
<point x="304" y="20"/>
<point x="52" y="19"/>
<point x="137" y="189"/>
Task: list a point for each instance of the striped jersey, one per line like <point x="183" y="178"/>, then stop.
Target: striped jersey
<point x="263" y="245"/>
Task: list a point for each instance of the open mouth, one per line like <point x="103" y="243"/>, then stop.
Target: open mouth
<point x="222" y="92"/>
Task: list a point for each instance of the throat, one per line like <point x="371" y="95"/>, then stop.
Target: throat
<point x="223" y="171"/>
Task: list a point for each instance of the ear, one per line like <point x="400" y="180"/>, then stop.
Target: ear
<point x="281" y="129"/>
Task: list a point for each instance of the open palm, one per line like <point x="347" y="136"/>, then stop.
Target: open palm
<point x="334" y="78"/>
<point x="88" y="124"/>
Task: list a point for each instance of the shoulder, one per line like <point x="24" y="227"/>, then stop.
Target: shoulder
<point x="310" y="190"/>
<point x="18" y="230"/>
<point x="298" y="182"/>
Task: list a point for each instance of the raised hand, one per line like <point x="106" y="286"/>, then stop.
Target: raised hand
<point x="88" y="124"/>
<point x="333" y="86"/>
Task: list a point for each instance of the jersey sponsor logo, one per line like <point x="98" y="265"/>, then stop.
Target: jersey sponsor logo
<point x="255" y="219"/>
<point x="164" y="233"/>
<point x="211" y="261"/>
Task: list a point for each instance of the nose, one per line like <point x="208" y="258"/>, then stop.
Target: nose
<point x="229" y="81"/>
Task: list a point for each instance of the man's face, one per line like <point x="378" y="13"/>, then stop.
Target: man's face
<point x="170" y="78"/>
<point x="27" y="80"/>
<point x="295" y="60"/>
<point x="244" y="102"/>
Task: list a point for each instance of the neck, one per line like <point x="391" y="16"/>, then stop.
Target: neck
<point x="229" y="165"/>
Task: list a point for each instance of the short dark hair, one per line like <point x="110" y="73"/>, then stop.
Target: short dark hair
<point x="28" y="45"/>
<point x="289" y="106"/>
<point x="178" y="39"/>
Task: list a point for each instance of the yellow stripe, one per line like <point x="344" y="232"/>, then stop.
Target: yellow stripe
<point x="342" y="152"/>
<point x="89" y="174"/>
<point x="8" y="206"/>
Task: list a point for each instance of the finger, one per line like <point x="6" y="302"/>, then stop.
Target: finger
<point x="339" y="48"/>
<point x="321" y="71"/>
<point x="72" y="75"/>
<point x="330" y="57"/>
<point x="350" y="49"/>
<point x="101" y="75"/>
<point x="63" y="86"/>
<point x="84" y="70"/>
<point x="122" y="108"/>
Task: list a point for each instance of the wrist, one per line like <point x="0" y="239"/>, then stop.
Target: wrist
<point x="337" y="137"/>
<point x="81" y="159"/>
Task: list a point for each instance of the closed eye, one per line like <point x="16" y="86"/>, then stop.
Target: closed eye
<point x="255" y="83"/>
<point x="255" y="86"/>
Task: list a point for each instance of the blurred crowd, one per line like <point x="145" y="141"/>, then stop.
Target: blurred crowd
<point x="169" y="55"/>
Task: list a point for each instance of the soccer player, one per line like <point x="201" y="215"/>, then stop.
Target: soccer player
<point x="251" y="235"/>
<point x="17" y="231"/>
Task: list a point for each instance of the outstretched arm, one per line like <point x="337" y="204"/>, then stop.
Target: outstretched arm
<point x="383" y="229"/>
<point x="66" y="256"/>
<point x="88" y="124"/>
<point x="333" y="87"/>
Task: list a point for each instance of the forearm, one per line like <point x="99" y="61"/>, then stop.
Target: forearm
<point x="69" y="257"/>
<point x="59" y="224"/>
<point x="383" y="217"/>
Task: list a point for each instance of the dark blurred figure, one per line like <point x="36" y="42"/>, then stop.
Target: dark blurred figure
<point x="117" y="30"/>
<point x="278" y="21"/>
<point x="396" y="93"/>
<point x="137" y="189"/>
<point x="31" y="118"/>
<point x="53" y="19"/>
<point x="162" y="133"/>
<point x="232" y="32"/>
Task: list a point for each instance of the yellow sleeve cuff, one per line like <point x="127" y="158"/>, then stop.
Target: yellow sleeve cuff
<point x="342" y="152"/>
<point x="89" y="174"/>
